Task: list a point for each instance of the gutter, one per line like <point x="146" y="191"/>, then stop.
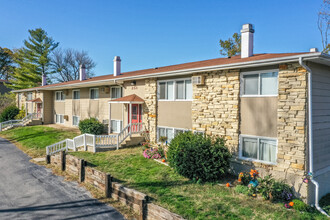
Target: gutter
<point x="310" y="138"/>
<point x="247" y="64"/>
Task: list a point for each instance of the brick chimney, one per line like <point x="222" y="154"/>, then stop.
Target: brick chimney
<point x="116" y="66"/>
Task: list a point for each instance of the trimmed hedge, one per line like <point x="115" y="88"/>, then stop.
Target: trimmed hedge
<point x="198" y="158"/>
<point x="91" y="126"/>
<point x="9" y="113"/>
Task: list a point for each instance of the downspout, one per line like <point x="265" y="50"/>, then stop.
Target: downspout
<point x="310" y="134"/>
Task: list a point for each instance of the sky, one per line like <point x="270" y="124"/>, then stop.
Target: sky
<point x="151" y="33"/>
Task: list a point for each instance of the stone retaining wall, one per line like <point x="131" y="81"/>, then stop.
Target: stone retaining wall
<point x="136" y="200"/>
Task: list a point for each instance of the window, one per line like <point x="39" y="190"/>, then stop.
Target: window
<point x="75" y="120"/>
<point x="59" y="96"/>
<point x="170" y="133"/>
<point x="180" y="89"/>
<point x="260" y="84"/>
<point x="258" y="149"/>
<point x="116" y="126"/>
<point x="94" y="93"/>
<point x="29" y="96"/>
<point x="59" y="119"/>
<point x="76" y="94"/>
<point x="115" y="92"/>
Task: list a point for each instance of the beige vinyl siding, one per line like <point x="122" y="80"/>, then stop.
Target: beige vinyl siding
<point x="176" y="114"/>
<point x="321" y="115"/>
<point x="259" y="116"/>
<point x="138" y="89"/>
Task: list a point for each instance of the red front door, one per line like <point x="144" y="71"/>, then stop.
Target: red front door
<point x="136" y="114"/>
<point x="39" y="107"/>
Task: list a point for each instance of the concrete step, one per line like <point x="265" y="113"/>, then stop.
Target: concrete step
<point x="132" y="141"/>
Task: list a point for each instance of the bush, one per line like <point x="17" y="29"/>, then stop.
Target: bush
<point x="91" y="126"/>
<point x="21" y="114"/>
<point x="274" y="190"/>
<point x="300" y="205"/>
<point x="198" y="158"/>
<point x="9" y="113"/>
<point x="242" y="189"/>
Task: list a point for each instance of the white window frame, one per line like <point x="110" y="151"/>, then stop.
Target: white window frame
<point x="90" y="90"/>
<point x="115" y="87"/>
<point x="174" y="89"/>
<point x="73" y="120"/>
<point x="258" y="141"/>
<point x="120" y="123"/>
<point x="27" y="96"/>
<point x="61" y="100"/>
<point x="259" y="72"/>
<point x="75" y="90"/>
<point x="60" y="118"/>
<point x="173" y="128"/>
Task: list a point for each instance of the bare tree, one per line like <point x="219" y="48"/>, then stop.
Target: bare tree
<point x="324" y="24"/>
<point x="66" y="64"/>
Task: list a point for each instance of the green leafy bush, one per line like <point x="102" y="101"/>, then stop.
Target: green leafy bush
<point x="274" y="190"/>
<point x="242" y="189"/>
<point x="91" y="126"/>
<point x="300" y="205"/>
<point x="325" y="203"/>
<point x="21" y="114"/>
<point x="9" y="113"/>
<point x="197" y="157"/>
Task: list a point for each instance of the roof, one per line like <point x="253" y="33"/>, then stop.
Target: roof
<point x="185" y="66"/>
<point x="129" y="99"/>
<point x="37" y="100"/>
<point x="3" y="80"/>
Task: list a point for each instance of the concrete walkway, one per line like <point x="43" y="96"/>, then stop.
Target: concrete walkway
<point x="29" y="191"/>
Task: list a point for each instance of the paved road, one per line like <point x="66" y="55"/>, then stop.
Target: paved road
<point x="29" y="191"/>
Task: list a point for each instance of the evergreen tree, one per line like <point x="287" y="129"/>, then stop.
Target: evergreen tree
<point x="232" y="46"/>
<point x="33" y="60"/>
<point x="6" y="63"/>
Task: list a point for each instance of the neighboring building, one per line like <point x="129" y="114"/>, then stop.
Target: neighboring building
<point x="257" y="102"/>
<point x="4" y="89"/>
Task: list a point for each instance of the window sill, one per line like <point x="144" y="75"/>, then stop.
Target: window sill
<point x="175" y="100"/>
<point x="256" y="161"/>
<point x="257" y="96"/>
<point x="59" y="100"/>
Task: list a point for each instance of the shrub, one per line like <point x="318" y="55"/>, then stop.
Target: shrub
<point x="21" y="114"/>
<point x="242" y="189"/>
<point x="300" y="205"/>
<point x="274" y="190"/>
<point x="9" y="113"/>
<point x="197" y="157"/>
<point x="7" y="99"/>
<point x="91" y="126"/>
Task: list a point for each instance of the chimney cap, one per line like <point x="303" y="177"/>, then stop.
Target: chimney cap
<point x="117" y="58"/>
<point x="82" y="66"/>
<point x="313" y="50"/>
<point x="247" y="28"/>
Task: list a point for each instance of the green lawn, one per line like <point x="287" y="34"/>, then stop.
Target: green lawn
<point x="192" y="201"/>
<point x="33" y="140"/>
<point x="161" y="183"/>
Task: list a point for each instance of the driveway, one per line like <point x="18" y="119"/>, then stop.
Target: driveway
<point x="29" y="191"/>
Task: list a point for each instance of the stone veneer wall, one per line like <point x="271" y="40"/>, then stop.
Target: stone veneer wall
<point x="150" y="109"/>
<point x="215" y="106"/>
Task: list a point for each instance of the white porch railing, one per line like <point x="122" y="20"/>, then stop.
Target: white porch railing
<point x="21" y="122"/>
<point x="95" y="141"/>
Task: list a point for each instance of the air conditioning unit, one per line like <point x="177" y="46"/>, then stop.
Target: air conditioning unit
<point x="198" y="80"/>
<point x="66" y="117"/>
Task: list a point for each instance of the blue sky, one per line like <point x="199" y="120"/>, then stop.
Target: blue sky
<point x="147" y="34"/>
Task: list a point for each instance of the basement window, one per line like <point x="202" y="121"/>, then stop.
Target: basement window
<point x="259" y="83"/>
<point x="59" y="119"/>
<point x="170" y="133"/>
<point x="260" y="149"/>
<point x="75" y="120"/>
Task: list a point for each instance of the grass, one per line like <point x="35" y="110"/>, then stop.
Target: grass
<point x="34" y="139"/>
<point x="179" y="195"/>
<point x="161" y="183"/>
